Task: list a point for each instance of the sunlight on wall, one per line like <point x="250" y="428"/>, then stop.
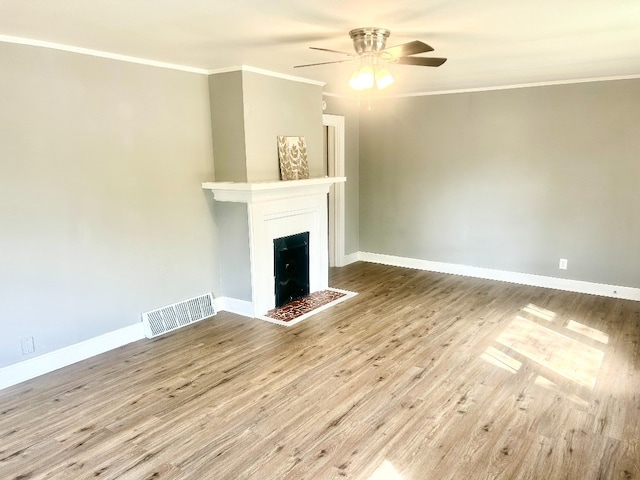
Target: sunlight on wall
<point x="567" y="357"/>
<point x="386" y="471"/>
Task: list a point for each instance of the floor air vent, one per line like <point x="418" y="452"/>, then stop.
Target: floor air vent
<point x="165" y="319"/>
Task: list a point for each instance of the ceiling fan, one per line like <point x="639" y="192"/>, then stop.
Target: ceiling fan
<point x="372" y="53"/>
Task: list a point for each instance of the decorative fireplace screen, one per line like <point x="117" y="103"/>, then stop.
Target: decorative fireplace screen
<point x="291" y="267"/>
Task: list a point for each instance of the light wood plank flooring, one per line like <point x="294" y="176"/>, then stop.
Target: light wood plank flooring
<point x="421" y="376"/>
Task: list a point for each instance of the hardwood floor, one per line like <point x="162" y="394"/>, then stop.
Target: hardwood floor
<point x="420" y="376"/>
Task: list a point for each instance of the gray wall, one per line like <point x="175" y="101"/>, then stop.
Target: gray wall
<point x="227" y="126"/>
<point x="235" y="262"/>
<point x="510" y="179"/>
<point x="348" y="108"/>
<point x="275" y="106"/>
<point x="101" y="215"/>
<point x="248" y="111"/>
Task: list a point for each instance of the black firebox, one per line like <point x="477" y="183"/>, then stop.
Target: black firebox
<point x="291" y="267"/>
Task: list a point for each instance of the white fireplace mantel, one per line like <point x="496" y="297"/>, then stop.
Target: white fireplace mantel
<point x="278" y="209"/>
<point x="265" y="191"/>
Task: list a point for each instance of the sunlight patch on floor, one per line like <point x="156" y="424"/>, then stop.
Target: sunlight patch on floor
<point x="567" y="357"/>
<point x="545" y="382"/>
<point x="549" y="385"/>
<point x="592" y="333"/>
<point x="386" y="471"/>
<point x="501" y="360"/>
<point x="539" y="312"/>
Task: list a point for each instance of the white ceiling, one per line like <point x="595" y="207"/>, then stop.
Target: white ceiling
<point x="488" y="43"/>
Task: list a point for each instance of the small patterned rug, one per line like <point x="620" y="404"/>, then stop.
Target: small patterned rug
<point x="306" y="306"/>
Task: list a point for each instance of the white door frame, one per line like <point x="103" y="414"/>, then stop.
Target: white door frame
<point x="337" y="257"/>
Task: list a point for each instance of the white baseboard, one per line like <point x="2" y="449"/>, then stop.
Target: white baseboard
<point x="233" y="305"/>
<point x="351" y="258"/>
<point x="579" y="286"/>
<point x="48" y="362"/>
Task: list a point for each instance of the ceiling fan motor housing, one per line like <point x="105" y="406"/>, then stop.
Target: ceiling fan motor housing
<point x="369" y="39"/>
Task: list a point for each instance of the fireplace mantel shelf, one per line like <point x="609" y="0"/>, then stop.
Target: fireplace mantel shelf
<point x="242" y="192"/>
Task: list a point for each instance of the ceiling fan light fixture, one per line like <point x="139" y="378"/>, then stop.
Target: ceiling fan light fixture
<point x="367" y="76"/>
<point x="372" y="53"/>
<point x="363" y="78"/>
<point x="383" y="78"/>
<point x="353" y="81"/>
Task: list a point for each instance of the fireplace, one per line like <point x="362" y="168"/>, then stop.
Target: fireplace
<point x="291" y="267"/>
<point x="274" y="210"/>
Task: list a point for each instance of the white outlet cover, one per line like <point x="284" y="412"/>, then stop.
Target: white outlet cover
<point x="27" y="345"/>
<point x="563" y="264"/>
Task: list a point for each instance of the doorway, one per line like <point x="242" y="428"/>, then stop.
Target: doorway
<point x="334" y="151"/>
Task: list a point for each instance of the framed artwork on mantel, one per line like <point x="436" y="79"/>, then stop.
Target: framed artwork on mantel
<point x="292" y="154"/>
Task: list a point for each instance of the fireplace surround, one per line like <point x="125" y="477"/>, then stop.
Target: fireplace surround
<point x="274" y="210"/>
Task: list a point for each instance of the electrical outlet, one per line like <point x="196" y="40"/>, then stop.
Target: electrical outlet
<point x="28" y="346"/>
<point x="563" y="264"/>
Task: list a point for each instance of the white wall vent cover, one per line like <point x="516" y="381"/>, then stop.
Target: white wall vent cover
<point x="165" y="319"/>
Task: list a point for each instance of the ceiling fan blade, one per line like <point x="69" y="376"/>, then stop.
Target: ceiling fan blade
<point x="421" y="61"/>
<point x="322" y="63"/>
<point x="333" y="51"/>
<point x="410" y="48"/>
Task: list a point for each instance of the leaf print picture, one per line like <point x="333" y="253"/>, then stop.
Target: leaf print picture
<point x="292" y="153"/>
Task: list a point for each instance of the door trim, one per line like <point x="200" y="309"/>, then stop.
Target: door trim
<point x="337" y="257"/>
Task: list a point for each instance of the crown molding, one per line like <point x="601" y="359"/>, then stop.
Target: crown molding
<point x="247" y="68"/>
<point x="336" y="95"/>
<point x="513" y="86"/>
<point x="268" y="73"/>
<point x="99" y="53"/>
